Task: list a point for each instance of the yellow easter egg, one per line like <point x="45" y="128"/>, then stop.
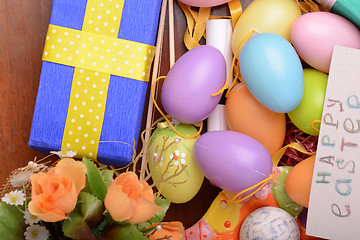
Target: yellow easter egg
<point x="171" y="163"/>
<point x="266" y="16"/>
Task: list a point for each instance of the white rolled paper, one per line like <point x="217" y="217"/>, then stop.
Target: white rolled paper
<point x="218" y="34"/>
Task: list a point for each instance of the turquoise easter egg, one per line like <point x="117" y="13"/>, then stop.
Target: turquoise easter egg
<point x="171" y="163"/>
<point x="272" y="71"/>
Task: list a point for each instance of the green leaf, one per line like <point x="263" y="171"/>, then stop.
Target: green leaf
<point x="123" y="232"/>
<point x="158" y="217"/>
<point x="12" y="223"/>
<point x="75" y="227"/>
<point x="91" y="208"/>
<point x="94" y="180"/>
<point x="107" y="176"/>
<point x="164" y="204"/>
<point x="87" y="214"/>
<point x="87" y="188"/>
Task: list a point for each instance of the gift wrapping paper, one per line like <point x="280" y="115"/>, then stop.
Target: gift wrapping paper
<point x="94" y="78"/>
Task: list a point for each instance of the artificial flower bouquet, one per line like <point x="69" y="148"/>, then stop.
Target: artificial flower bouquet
<point x="78" y="200"/>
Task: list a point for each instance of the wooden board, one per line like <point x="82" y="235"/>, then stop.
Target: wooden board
<point x="23" y="27"/>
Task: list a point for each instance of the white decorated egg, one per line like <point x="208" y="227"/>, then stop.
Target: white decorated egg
<point x="269" y="223"/>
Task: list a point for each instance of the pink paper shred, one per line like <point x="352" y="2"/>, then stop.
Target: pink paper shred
<point x="293" y="134"/>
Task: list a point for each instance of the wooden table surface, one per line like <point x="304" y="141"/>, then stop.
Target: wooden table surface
<point x="23" y="26"/>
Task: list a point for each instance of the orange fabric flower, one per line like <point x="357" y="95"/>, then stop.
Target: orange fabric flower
<point x="173" y="229"/>
<point x="54" y="194"/>
<point x="130" y="199"/>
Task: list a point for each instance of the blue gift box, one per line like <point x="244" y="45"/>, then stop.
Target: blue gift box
<point x="125" y="97"/>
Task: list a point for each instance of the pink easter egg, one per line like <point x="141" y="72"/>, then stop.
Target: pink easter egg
<point x="204" y="3"/>
<point x="315" y="34"/>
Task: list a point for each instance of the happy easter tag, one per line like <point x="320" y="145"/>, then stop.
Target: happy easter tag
<point x="334" y="207"/>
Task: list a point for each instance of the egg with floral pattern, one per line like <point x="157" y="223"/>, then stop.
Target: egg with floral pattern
<point x="269" y="223"/>
<point x="171" y="163"/>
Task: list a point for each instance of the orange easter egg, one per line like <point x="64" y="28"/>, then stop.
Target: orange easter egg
<point x="298" y="181"/>
<point x="246" y="115"/>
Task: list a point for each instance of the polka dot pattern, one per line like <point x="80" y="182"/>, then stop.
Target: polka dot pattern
<point x="85" y="106"/>
<point x="98" y="53"/>
<point x="103" y="17"/>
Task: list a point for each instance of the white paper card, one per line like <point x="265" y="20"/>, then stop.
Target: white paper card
<point x="334" y="207"/>
<point x="218" y="34"/>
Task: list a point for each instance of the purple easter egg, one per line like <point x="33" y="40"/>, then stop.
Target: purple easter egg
<point x="231" y="160"/>
<point x="186" y="92"/>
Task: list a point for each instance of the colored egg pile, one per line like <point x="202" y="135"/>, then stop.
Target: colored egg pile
<point x="284" y="67"/>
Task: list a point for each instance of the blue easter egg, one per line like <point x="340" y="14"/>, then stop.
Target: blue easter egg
<point x="272" y="71"/>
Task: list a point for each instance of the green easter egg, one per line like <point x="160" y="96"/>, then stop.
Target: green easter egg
<point x="278" y="190"/>
<point x="311" y="106"/>
<point x="172" y="155"/>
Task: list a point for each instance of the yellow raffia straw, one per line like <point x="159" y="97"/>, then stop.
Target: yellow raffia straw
<point x="258" y="187"/>
<point x="235" y="11"/>
<point x="313" y="125"/>
<point x="196" y="24"/>
<point x="307" y="6"/>
<point x="196" y="21"/>
<point x="301" y="7"/>
<point x="164" y="116"/>
<point x="245" y="39"/>
<point x="232" y="85"/>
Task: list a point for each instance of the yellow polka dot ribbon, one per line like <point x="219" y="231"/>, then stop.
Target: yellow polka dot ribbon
<point x="86" y="111"/>
<point x="103" y="17"/>
<point x="96" y="53"/>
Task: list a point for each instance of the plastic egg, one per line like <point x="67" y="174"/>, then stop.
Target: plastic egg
<point x="269" y="223"/>
<point x="246" y="115"/>
<point x="281" y="197"/>
<point x="315" y="34"/>
<point x="186" y="92"/>
<point x="302" y="217"/>
<point x="272" y="71"/>
<point x="272" y="16"/>
<point x="204" y="3"/>
<point x="298" y="181"/>
<point x="311" y="105"/>
<point x="231" y="160"/>
<point x="166" y="147"/>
